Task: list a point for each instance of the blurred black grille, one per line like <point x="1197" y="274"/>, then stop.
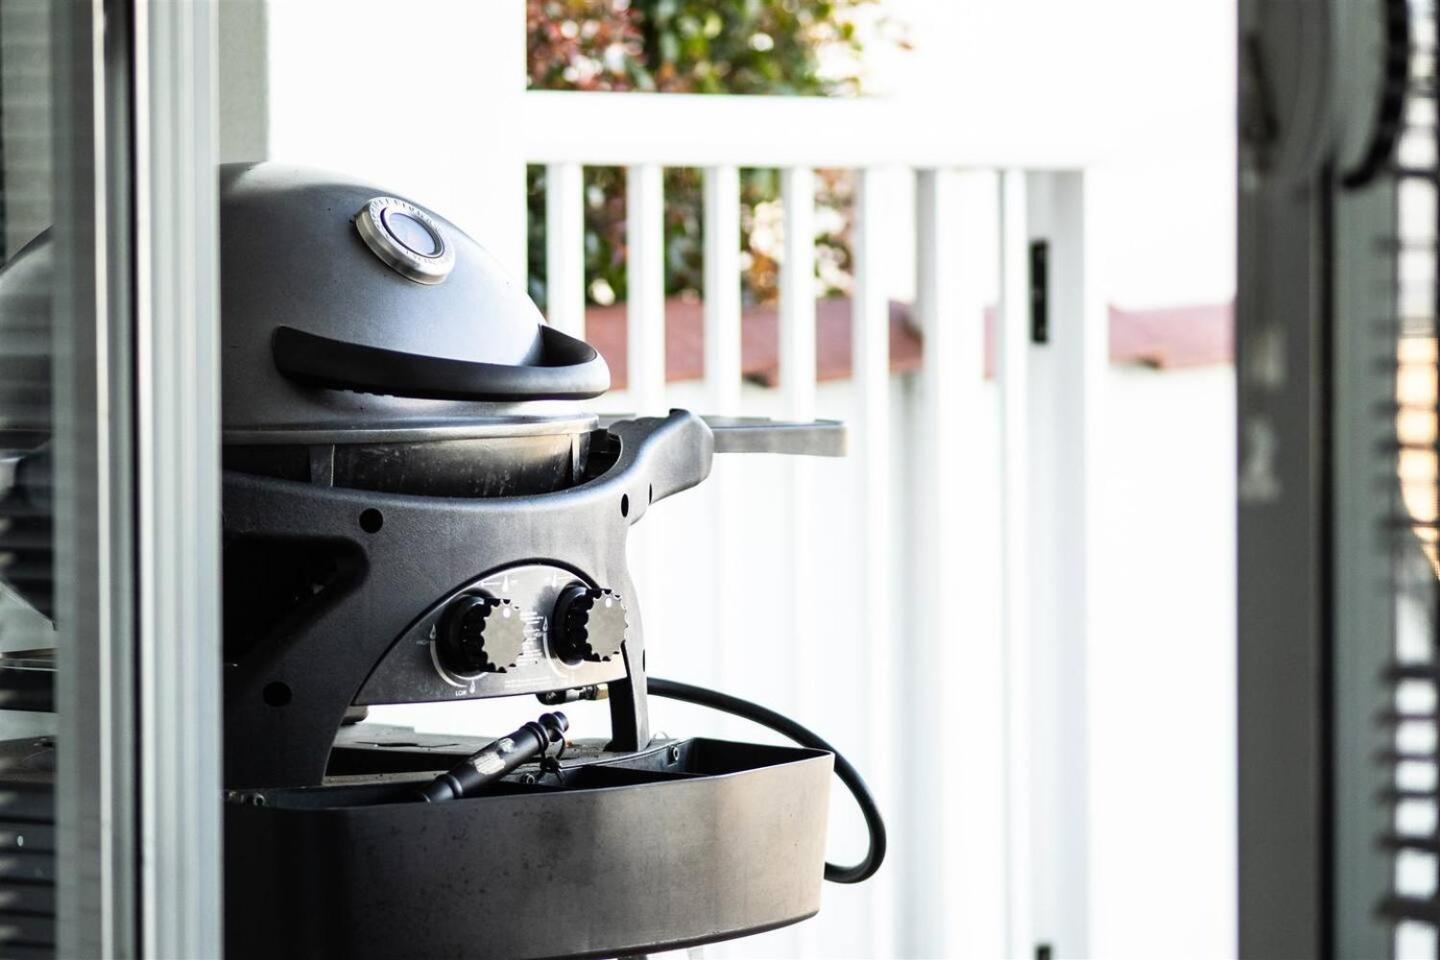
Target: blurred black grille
<point x="1414" y="714"/>
<point x="27" y="804"/>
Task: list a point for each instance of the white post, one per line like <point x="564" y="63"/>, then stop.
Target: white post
<point x="645" y="326"/>
<point x="565" y="248"/>
<point x="645" y="276"/>
<point x="797" y="388"/>
<point x="1066" y="420"/>
<point x="177" y="506"/>
<point x="722" y="388"/>
<point x="1012" y="355"/>
<point x="870" y="324"/>
<point x="920" y="822"/>
<point x="97" y="797"/>
<point x="722" y="289"/>
<point x="797" y="293"/>
<point x="952" y="814"/>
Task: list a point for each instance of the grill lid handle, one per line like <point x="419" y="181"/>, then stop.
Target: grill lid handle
<point x="570" y="369"/>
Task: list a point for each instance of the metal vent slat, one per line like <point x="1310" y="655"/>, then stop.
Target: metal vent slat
<point x="24" y="951"/>
<point x="31" y="898"/>
<point x="27" y="929"/>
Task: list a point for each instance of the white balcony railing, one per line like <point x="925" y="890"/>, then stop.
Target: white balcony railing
<point x="973" y="727"/>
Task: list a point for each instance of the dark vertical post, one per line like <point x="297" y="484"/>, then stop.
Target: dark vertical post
<point x="1282" y="383"/>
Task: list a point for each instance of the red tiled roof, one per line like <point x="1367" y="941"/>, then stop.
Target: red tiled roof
<point x="1171" y="337"/>
<point x="1190" y="336"/>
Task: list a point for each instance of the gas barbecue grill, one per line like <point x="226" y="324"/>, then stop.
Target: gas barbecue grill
<point x="417" y="508"/>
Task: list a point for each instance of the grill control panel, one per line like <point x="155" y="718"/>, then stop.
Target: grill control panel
<point x="526" y="629"/>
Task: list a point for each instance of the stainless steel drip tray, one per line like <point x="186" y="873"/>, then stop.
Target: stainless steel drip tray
<point x="689" y="842"/>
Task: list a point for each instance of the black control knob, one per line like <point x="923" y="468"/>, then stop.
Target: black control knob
<point x="480" y="634"/>
<point x="590" y="624"/>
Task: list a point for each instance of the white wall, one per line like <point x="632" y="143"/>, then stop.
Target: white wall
<point x="1162" y="671"/>
<point x="1151" y="84"/>
<point x="421" y="98"/>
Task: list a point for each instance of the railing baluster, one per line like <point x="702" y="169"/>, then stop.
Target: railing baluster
<point x="797" y="388"/>
<point x="722" y="289"/>
<point x="922" y="822"/>
<point x="977" y="644"/>
<point x="565" y="247"/>
<point x="645" y="326"/>
<point x="722" y="389"/>
<point x="1012" y="354"/>
<point x="1065" y="384"/>
<point x="645" y="276"/>
<point x="880" y="634"/>
<point x="797" y="293"/>
<point x="955" y="832"/>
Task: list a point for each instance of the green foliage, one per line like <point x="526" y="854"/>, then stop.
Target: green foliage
<point x="750" y="46"/>
<point x="788" y="47"/>
<point x="585" y="45"/>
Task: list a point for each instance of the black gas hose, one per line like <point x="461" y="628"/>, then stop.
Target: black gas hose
<point x="874" y="823"/>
